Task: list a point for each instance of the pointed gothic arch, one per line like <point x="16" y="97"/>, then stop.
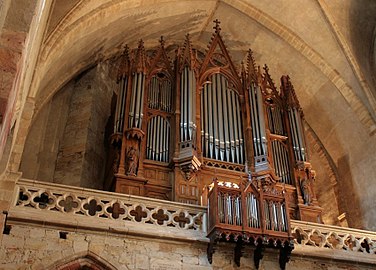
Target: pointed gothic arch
<point x="83" y="261"/>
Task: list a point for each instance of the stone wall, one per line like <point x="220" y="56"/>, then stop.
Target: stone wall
<point x="66" y="141"/>
<point x="42" y="143"/>
<point x="29" y="247"/>
<point x="81" y="153"/>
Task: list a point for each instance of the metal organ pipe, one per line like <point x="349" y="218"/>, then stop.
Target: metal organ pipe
<point x="281" y="162"/>
<point x="136" y="106"/>
<point x="158" y="139"/>
<point x="220" y="118"/>
<point x="297" y="134"/>
<point x="258" y="122"/>
<point x="187" y="86"/>
<point x="231" y="128"/>
<point x="222" y="131"/>
<point x="301" y="135"/>
<point x="120" y="106"/>
<point x="261" y="120"/>
<point x="215" y="118"/>
<point x="225" y="109"/>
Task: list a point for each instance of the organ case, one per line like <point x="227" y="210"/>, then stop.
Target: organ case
<point x="180" y="124"/>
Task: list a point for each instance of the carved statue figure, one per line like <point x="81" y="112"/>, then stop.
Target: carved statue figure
<point x="132" y="161"/>
<point x="306" y="192"/>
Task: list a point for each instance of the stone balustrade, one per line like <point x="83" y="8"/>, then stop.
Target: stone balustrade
<point x="54" y="204"/>
<point x="73" y="207"/>
<point x="333" y="237"/>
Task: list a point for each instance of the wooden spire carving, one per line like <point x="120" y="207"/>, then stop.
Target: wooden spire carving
<point x="218" y="59"/>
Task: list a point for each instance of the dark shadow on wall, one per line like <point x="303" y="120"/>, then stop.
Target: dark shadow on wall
<point x="362" y="28"/>
<point x="348" y="197"/>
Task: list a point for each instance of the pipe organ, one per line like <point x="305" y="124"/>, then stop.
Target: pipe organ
<point x="181" y="123"/>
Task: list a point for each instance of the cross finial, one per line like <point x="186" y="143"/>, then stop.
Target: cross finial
<point x="216" y="27"/>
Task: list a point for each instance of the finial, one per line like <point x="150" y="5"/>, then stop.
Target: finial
<point x="216" y="27"/>
<point x="187" y="36"/>
<point x="126" y="50"/>
<point x="162" y="41"/>
<point x="266" y="68"/>
<point x="140" y="43"/>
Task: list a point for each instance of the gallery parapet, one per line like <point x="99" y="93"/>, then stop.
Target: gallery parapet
<point x="56" y="205"/>
<point x="77" y="208"/>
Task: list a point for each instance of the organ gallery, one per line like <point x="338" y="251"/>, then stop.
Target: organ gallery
<point x="198" y="129"/>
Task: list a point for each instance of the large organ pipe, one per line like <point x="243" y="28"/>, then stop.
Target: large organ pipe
<point x="187" y="86"/>
<point x="210" y="124"/>
<point x="235" y="129"/>
<point x="231" y="128"/>
<point x="296" y="129"/>
<point x="136" y="106"/>
<point x="293" y="134"/>
<point x="183" y="104"/>
<point x="281" y="161"/>
<point x="158" y="139"/>
<point x="222" y="131"/>
<point x="191" y="90"/>
<point x="258" y="123"/>
<point x="220" y="117"/>
<point x="138" y="100"/>
<point x="261" y="120"/>
<point x="120" y="106"/>
<point x="240" y="132"/>
<point x="215" y="118"/>
<point x="226" y="139"/>
<point x="301" y="134"/>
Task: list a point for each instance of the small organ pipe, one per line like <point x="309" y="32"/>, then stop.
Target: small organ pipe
<point x="120" y="107"/>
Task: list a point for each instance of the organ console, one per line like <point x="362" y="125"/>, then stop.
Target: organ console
<point x="179" y="125"/>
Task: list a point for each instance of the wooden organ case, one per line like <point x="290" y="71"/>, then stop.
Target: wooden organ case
<point x="180" y="125"/>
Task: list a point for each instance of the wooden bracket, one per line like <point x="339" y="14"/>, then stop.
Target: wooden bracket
<point x="238" y="253"/>
<point x="258" y="254"/>
<point x="285" y="253"/>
